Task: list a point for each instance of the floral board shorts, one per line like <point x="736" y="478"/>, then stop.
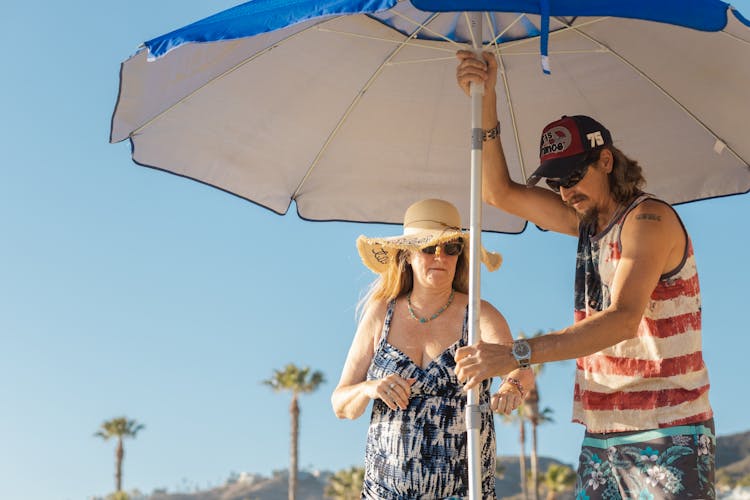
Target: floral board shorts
<point x="669" y="463"/>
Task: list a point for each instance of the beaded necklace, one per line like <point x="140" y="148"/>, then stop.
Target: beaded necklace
<point x="438" y="313"/>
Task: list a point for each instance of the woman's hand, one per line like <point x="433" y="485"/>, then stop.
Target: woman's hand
<point x="470" y="69"/>
<point x="507" y="398"/>
<point x="393" y="390"/>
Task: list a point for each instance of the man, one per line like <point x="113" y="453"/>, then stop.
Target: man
<point x="641" y="385"/>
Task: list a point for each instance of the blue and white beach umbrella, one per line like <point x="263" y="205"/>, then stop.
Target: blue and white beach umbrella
<point x="350" y="108"/>
<point x="276" y="101"/>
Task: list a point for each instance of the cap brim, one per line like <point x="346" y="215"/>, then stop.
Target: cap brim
<point x="556" y="168"/>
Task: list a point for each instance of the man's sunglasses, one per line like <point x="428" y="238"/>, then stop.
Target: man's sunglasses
<point x="569" y="180"/>
<point x="451" y="248"/>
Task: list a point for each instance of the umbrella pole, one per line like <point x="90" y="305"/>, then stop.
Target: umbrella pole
<point x="473" y="415"/>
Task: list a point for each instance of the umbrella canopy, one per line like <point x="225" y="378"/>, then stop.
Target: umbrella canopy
<point x="354" y="117"/>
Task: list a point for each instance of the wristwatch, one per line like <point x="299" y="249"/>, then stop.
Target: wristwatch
<point x="522" y="352"/>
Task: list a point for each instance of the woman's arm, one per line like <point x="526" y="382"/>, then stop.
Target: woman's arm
<point x="354" y="392"/>
<point x="516" y="384"/>
<point x="492" y="325"/>
<point x="513" y="390"/>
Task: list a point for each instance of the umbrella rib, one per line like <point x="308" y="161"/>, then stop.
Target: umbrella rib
<point x="379" y="39"/>
<point x="667" y="94"/>
<point x="506" y="86"/>
<point x="423" y="60"/>
<point x="353" y="104"/>
<point x="439" y="59"/>
<point x="222" y="75"/>
<point x="456" y="44"/>
<point x="442" y="49"/>
<point x="423" y="26"/>
<point x="495" y="38"/>
<point x="553" y="33"/>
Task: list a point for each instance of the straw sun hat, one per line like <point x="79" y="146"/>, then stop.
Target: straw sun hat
<point x="426" y="222"/>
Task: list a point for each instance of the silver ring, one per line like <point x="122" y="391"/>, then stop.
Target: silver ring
<point x="391" y="385"/>
<point x="388" y="392"/>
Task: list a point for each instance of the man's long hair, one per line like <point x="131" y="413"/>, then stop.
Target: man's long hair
<point x="626" y="179"/>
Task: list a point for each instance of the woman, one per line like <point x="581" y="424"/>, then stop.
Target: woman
<point x="413" y="320"/>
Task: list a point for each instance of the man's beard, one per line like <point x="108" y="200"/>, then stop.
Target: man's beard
<point x="586" y="217"/>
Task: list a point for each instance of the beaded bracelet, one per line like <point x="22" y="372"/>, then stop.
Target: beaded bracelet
<point x="491" y="133"/>
<point x="517" y="384"/>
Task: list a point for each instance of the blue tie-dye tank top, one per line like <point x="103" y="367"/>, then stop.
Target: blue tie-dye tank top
<point x="420" y="452"/>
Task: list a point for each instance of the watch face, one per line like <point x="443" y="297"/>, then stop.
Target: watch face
<point x="521" y="349"/>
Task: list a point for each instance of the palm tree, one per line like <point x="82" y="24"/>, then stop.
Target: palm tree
<point x="535" y="417"/>
<point x="119" y="428"/>
<point x="531" y="409"/>
<point x="558" y="479"/>
<point x="499" y="469"/>
<point x="518" y="416"/>
<point x="297" y="381"/>
<point x="346" y="484"/>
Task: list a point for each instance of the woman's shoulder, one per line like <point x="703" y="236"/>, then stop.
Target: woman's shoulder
<point x="489" y="307"/>
<point x="490" y="314"/>
<point x="372" y="321"/>
<point x="375" y="310"/>
<point x="462" y="299"/>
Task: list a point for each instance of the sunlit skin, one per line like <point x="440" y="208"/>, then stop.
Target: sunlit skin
<point x="590" y="196"/>
<point x="653" y="243"/>
<point x="434" y="274"/>
<point x="433" y="280"/>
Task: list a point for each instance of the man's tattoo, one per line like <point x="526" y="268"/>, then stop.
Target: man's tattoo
<point x="648" y="217"/>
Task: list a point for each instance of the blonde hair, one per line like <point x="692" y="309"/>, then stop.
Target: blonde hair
<point x="398" y="280"/>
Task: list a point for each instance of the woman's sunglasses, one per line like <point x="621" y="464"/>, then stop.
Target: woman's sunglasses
<point x="451" y="248"/>
<point x="569" y="180"/>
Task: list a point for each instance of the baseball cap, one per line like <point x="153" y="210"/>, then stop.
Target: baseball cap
<point x="564" y="145"/>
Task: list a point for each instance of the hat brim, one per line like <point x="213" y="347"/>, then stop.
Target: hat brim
<point x="378" y="253"/>
<point x="557" y="168"/>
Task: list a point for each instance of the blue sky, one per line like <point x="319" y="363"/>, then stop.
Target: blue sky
<point x="130" y="291"/>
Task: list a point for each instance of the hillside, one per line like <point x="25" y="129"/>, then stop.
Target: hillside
<point x="732" y="458"/>
<point x="257" y="488"/>
<point x="311" y="486"/>
<point x="509" y="485"/>
<point x="732" y="448"/>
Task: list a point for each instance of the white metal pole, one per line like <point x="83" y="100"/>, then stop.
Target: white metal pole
<point x="473" y="414"/>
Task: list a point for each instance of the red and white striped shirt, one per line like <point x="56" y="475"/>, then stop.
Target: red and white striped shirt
<point x="657" y="379"/>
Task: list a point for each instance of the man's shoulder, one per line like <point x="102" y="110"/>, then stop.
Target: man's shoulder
<point x="654" y="224"/>
<point x="653" y="209"/>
